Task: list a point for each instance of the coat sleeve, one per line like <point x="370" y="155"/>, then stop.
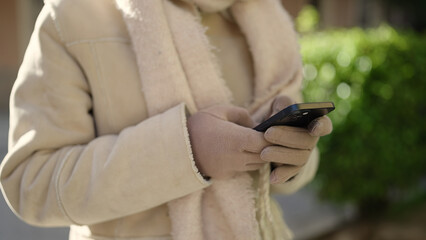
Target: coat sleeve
<point x="57" y="172"/>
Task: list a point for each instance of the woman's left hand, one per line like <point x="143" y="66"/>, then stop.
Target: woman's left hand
<point x="292" y="145"/>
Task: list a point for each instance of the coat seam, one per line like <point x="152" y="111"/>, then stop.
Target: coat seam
<point x="185" y="133"/>
<point x="99" y="80"/>
<point x="61" y="35"/>
<point x="96" y="40"/>
<point x="97" y="237"/>
<point x="55" y="22"/>
<point x="57" y="187"/>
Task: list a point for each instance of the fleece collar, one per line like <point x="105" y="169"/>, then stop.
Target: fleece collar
<point x="212" y="5"/>
<point x="176" y="65"/>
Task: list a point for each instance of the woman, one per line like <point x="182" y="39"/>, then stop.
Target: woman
<point x="130" y="121"/>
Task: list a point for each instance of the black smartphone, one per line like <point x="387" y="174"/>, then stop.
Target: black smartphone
<point x="297" y="115"/>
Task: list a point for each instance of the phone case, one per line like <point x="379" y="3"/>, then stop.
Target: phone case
<point x="297" y="115"/>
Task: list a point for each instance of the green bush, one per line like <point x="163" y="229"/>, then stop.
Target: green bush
<point x="376" y="155"/>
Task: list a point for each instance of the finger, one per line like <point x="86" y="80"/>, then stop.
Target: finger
<point x="283" y="173"/>
<point x="283" y="155"/>
<point x="253" y="167"/>
<point x="240" y="116"/>
<point x="248" y="162"/>
<point x="231" y="113"/>
<point x="280" y="103"/>
<point x="292" y="137"/>
<point x="320" y="126"/>
<point x="252" y="158"/>
<point x="253" y="141"/>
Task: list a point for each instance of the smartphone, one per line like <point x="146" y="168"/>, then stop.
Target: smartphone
<point x="297" y="115"/>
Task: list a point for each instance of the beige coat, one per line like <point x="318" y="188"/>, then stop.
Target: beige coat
<point x="82" y="150"/>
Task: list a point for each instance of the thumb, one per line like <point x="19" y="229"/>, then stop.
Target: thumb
<point x="240" y="116"/>
<point x="281" y="102"/>
<point x="232" y="114"/>
<point x="320" y="126"/>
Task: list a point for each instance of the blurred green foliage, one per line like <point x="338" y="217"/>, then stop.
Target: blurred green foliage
<point x="376" y="155"/>
<point x="308" y="19"/>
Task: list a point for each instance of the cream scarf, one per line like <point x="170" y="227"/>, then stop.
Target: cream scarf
<point x="176" y="65"/>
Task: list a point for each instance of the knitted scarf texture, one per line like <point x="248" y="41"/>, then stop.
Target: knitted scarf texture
<point x="176" y="65"/>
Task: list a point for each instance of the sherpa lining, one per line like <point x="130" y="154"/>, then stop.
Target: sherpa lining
<point x="172" y="50"/>
<point x="183" y="112"/>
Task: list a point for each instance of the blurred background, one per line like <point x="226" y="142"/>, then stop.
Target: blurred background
<point x="369" y="57"/>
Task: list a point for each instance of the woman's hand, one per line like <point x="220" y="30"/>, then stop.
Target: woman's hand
<point x="292" y="145"/>
<point x="223" y="142"/>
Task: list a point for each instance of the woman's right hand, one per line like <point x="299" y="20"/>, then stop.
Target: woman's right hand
<point x="223" y="141"/>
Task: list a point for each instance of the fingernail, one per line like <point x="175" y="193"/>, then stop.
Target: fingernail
<point x="273" y="178"/>
<point x="316" y="128"/>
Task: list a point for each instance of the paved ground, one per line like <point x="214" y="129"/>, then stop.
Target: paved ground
<point x="305" y="215"/>
<point x="407" y="226"/>
<point x="308" y="217"/>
